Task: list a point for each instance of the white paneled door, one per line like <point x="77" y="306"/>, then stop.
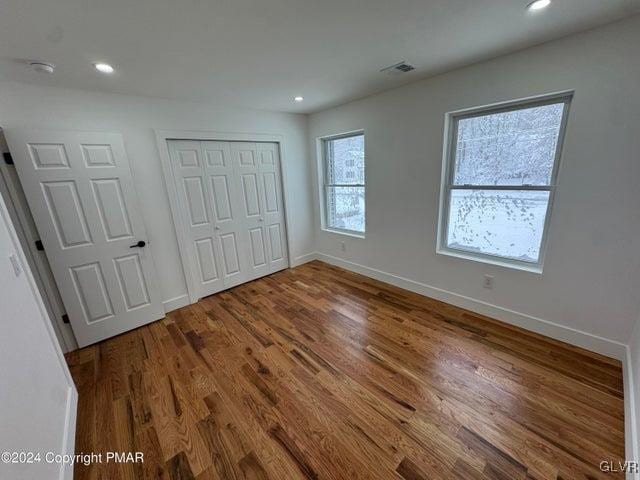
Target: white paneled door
<point x="83" y="200"/>
<point x="230" y="200"/>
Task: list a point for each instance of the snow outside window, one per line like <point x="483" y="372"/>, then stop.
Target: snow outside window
<point x="501" y="168"/>
<point x="344" y="183"/>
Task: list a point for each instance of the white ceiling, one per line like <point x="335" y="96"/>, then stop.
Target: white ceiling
<point x="261" y="53"/>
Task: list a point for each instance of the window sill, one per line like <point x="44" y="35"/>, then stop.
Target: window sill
<point x="347" y="233"/>
<point x="537" y="269"/>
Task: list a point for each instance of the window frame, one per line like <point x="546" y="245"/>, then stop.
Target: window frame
<point x="448" y="167"/>
<point x="324" y="169"/>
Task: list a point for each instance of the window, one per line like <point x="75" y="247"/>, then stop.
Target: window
<point x="499" y="181"/>
<point x="344" y="184"/>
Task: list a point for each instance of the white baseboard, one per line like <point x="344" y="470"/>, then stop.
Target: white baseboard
<point x="69" y="435"/>
<point x="631" y="411"/>
<point x="594" y="343"/>
<point x="309" y="257"/>
<point x="176" y="303"/>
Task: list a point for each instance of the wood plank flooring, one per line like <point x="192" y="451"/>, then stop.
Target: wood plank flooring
<point x="319" y="373"/>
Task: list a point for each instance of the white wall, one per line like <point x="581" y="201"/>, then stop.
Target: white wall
<point x="591" y="277"/>
<point x="633" y="373"/>
<point x="37" y="396"/>
<point x="135" y="118"/>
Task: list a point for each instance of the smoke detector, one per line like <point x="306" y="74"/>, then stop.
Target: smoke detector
<point x="42" y="67"/>
<point x="398" y="68"/>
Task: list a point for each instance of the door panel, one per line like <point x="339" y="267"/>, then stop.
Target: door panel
<point x="98" y="156"/>
<point x="132" y="282"/>
<point x="189" y="157"/>
<point x="267" y="157"/>
<point x="207" y="260"/>
<point x="46" y="156"/>
<point x="229" y="245"/>
<point x="257" y="247"/>
<point x="89" y="283"/>
<point x="276" y="242"/>
<point x="270" y="192"/>
<point x="196" y="206"/>
<point x="83" y="201"/>
<point x="66" y="214"/>
<point x="250" y="194"/>
<point x="113" y="211"/>
<point x="216" y="154"/>
<point x="221" y="198"/>
<point x="246" y="153"/>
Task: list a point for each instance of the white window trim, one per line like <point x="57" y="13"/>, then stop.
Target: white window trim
<point x="323" y="165"/>
<point x="446" y="185"/>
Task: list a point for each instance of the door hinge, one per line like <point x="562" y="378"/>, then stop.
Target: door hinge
<point x="65" y="318"/>
<point x="39" y="245"/>
<point x="8" y="159"/>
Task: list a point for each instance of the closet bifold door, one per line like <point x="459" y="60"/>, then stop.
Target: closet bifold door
<point x="197" y="218"/>
<point x="258" y="177"/>
<point x="223" y="197"/>
<point x="231" y="204"/>
<point x="274" y="219"/>
<point x="247" y="167"/>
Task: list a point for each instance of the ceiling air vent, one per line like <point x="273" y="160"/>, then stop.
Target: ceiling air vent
<point x="398" y="68"/>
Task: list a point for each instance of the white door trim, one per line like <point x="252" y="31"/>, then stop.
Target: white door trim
<point x="40" y="267"/>
<point x="162" y="136"/>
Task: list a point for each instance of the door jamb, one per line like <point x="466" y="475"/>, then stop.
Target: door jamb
<point x="18" y="212"/>
<point x="162" y="138"/>
<point x="67" y="342"/>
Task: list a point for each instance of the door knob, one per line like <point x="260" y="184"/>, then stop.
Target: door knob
<point x="139" y="244"/>
<point x="261" y="219"/>
<point x="217" y="227"/>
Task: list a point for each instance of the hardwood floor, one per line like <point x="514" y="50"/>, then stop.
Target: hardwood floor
<point x="317" y="372"/>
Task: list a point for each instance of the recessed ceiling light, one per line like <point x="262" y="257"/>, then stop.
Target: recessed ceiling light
<point x="42" y="67"/>
<point x="539" y="4"/>
<point x="298" y="99"/>
<point x="103" y="67"/>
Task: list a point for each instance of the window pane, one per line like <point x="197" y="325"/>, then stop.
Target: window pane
<point x="345" y="208"/>
<point x="346" y="161"/>
<point x="503" y="223"/>
<point x="508" y="148"/>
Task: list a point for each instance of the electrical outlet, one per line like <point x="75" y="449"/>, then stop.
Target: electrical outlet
<point x="488" y="282"/>
<point x="343" y="246"/>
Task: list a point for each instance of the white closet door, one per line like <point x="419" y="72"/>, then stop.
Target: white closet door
<point x="258" y="167"/>
<point x="231" y="202"/>
<point x="193" y="196"/>
<point x="247" y="165"/>
<point x="223" y="197"/>
<point x="274" y="224"/>
<point x="83" y="201"/>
